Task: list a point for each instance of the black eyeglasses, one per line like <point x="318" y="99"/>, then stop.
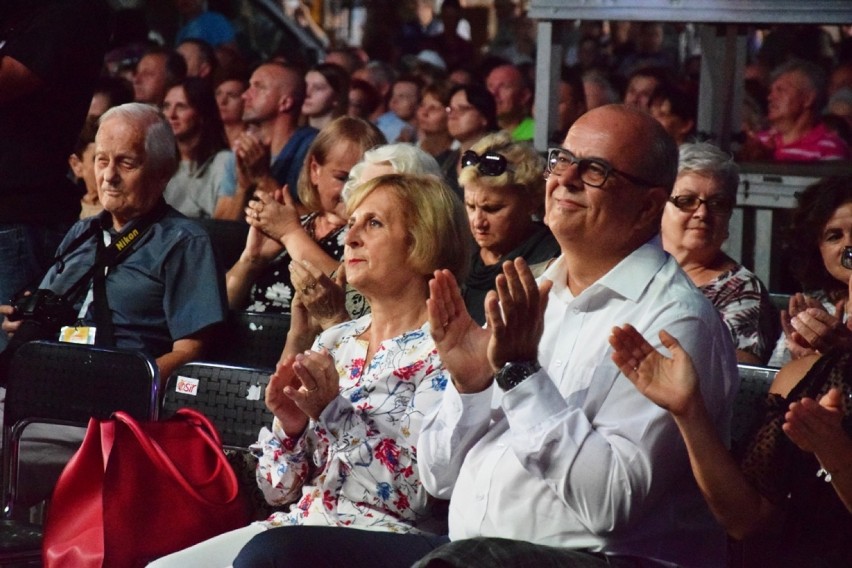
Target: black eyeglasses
<point x="488" y="164"/>
<point x="593" y="171"/>
<point x="691" y="203"/>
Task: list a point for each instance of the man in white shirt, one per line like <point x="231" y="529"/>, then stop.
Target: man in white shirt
<point x="561" y="450"/>
<point x="548" y="454"/>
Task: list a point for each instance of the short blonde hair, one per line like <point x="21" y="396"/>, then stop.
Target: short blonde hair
<point x="526" y="166"/>
<point x="437" y="224"/>
<point x="341" y="130"/>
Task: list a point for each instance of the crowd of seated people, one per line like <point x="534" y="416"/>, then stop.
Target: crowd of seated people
<point x="432" y="359"/>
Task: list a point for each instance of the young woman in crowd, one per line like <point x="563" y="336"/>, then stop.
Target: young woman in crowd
<point x="206" y="172"/>
<point x="229" y="98"/>
<point x="260" y="279"/>
<point x="326" y="94"/>
<point x="432" y="133"/>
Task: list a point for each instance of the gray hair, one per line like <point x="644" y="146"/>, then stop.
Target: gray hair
<point x="161" y="153"/>
<point x="708" y="160"/>
<point x="402" y="157"/>
<point x="812" y="72"/>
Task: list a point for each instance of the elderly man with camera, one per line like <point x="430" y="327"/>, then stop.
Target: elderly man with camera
<point x="139" y="275"/>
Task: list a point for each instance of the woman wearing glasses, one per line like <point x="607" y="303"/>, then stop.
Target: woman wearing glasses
<point x="694" y="226"/>
<point x="504" y="198"/>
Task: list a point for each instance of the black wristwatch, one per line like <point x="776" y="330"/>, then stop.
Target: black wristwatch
<point x="514" y="373"/>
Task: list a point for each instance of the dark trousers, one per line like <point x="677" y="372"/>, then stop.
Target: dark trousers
<point x="333" y="547"/>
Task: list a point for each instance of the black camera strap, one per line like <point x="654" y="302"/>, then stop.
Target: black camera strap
<point x="107" y="257"/>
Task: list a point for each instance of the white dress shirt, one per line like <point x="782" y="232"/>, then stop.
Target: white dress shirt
<point x="575" y="456"/>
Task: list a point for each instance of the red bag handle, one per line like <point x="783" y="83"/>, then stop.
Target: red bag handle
<point x="157" y="455"/>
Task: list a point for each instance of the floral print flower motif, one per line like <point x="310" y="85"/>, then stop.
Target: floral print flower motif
<point x="387" y="452"/>
<point x="357" y="464"/>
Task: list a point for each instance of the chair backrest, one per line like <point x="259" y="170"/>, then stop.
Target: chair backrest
<point x="228" y="239"/>
<point x="66" y="383"/>
<point x="251" y="339"/>
<point x="749" y="403"/>
<point x="231" y="397"/>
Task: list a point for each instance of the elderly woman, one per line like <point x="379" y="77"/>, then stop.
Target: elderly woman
<point x="694" y="226"/>
<point x="796" y="474"/>
<point x="818" y="319"/>
<point x="325" y="299"/>
<point x="342" y="449"/>
<point x="503" y="196"/>
<point x="260" y="279"/>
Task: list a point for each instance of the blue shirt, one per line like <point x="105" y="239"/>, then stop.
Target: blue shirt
<point x="166" y="289"/>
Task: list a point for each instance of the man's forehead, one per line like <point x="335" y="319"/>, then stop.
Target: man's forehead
<point x="119" y="135"/>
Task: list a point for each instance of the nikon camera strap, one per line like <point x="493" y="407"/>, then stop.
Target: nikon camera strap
<point x="107" y="257"/>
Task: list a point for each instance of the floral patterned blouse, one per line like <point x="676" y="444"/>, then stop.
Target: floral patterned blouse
<point x="744" y="303"/>
<point x="273" y="291"/>
<point x="357" y="465"/>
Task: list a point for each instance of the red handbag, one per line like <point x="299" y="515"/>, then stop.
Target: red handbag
<point x="136" y="491"/>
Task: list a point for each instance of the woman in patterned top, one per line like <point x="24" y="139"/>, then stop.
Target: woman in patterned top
<point x="795" y="476"/>
<point x="694" y="226"/>
<point x="348" y="411"/>
<point x="260" y="279"/>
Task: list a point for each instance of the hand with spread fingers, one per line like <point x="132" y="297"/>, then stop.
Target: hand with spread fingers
<point x="324" y="298"/>
<point x="320" y="383"/>
<point x="670" y="383"/>
<point x="275" y="215"/>
<point x="515" y="314"/>
<point x="461" y="342"/>
<point x="292" y="418"/>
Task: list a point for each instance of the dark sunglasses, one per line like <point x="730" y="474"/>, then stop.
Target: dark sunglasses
<point x="488" y="164"/>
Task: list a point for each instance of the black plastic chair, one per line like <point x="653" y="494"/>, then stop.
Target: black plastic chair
<point x="231" y="397"/>
<point x="250" y="339"/>
<point x="749" y="402"/>
<point x="63" y="383"/>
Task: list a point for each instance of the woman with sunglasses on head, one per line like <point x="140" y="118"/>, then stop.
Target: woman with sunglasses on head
<point x="504" y="199"/>
<point x="694" y="226"/>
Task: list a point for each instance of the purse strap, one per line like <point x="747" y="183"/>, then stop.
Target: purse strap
<point x="157" y="455"/>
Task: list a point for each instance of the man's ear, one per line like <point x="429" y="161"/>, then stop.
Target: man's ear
<point x="651" y="209"/>
<point x="285" y="104"/>
<point x="76" y="165"/>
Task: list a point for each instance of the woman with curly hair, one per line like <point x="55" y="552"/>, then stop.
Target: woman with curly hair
<point x="816" y="319"/>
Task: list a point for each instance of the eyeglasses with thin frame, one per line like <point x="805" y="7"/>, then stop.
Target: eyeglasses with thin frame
<point x="690" y="204"/>
<point x="593" y="171"/>
<point x="459" y="109"/>
<point x="489" y="164"/>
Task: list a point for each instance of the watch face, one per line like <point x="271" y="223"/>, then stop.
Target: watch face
<point x="514" y="373"/>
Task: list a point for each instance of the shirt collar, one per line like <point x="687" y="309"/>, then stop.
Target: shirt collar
<point x="629" y="278"/>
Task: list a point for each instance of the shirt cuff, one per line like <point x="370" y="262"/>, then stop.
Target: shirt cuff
<point x="467" y="409"/>
<point x="531" y="403"/>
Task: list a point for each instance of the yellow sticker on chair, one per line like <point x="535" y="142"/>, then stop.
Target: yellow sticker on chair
<point x="82" y="334"/>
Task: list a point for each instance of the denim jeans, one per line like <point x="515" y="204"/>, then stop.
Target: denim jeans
<point x="26" y="252"/>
